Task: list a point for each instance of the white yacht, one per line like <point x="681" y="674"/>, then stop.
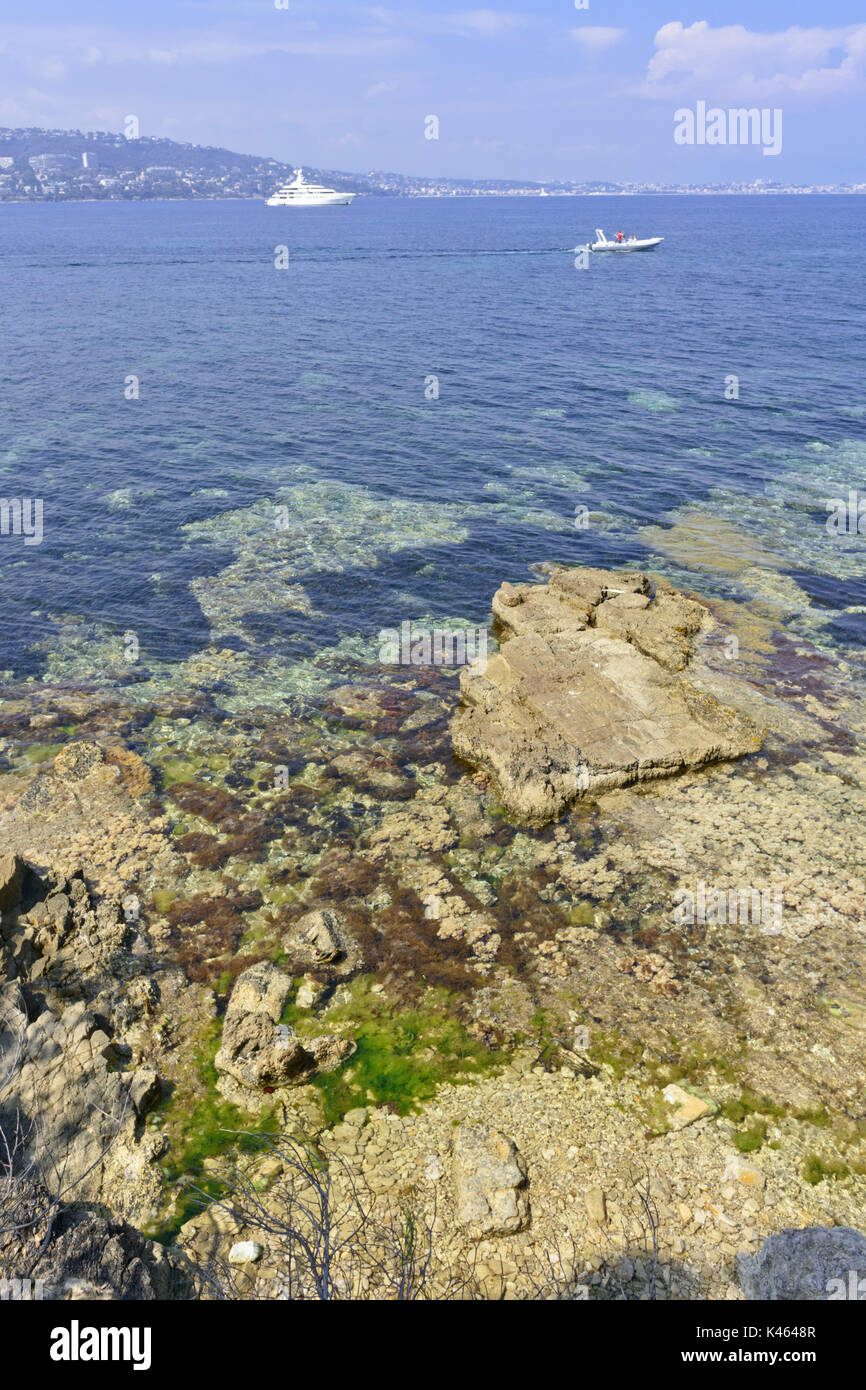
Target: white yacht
<point x="300" y="194"/>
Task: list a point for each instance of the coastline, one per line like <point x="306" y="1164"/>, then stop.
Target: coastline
<point x="487" y="974"/>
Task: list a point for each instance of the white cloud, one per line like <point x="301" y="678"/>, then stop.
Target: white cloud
<point x="37" y="50"/>
<point x="485" y="22"/>
<point x="741" y="63"/>
<point x="595" y="37"/>
<point x="380" y="89"/>
<point x="229" y="50"/>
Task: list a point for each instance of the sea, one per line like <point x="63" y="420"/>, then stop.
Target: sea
<point x="280" y="431"/>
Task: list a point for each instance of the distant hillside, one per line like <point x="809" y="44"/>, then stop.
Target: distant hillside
<point x="152" y="166"/>
<point x="115" y="153"/>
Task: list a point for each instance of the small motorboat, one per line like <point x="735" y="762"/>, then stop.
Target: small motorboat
<point x="626" y="244"/>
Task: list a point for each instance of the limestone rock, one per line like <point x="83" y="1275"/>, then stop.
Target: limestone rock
<point x="145" y="1091"/>
<point x="310" y="993"/>
<point x="585" y="696"/>
<point x="317" y="935"/>
<point x="11" y="874"/>
<point x="738" y="1169"/>
<point x="489" y="1182"/>
<point x="255" y="1050"/>
<point x="595" y="1202"/>
<point x="68" y="969"/>
<point x="259" y="1053"/>
<point x="260" y="989"/>
<point x="813" y="1264"/>
<point x="686" y="1107"/>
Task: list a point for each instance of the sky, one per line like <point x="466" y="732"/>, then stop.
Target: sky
<point x="570" y="89"/>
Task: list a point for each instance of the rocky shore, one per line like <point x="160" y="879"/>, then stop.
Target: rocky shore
<point x="495" y="951"/>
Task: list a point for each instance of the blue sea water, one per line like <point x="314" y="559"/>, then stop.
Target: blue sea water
<point x="558" y="388"/>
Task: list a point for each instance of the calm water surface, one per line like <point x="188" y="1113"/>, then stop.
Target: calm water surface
<point x="305" y="388"/>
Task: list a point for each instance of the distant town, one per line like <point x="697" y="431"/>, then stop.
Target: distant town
<point x="39" y="165"/>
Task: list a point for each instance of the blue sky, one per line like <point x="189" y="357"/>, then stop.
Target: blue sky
<point x="541" y="90"/>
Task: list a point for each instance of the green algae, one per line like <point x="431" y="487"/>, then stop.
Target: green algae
<point x="202" y="1128"/>
<point x="752" y="1138"/>
<point x="39" y="753"/>
<point x="619" y="1055"/>
<point x="817" y="1117"/>
<point x="402" y="1056"/>
<point x="750" y="1103"/>
<point x="180" y="769"/>
<point x="819" y="1168"/>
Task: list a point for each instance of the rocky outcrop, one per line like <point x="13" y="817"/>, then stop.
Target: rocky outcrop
<point x="489" y="1182"/>
<point x="258" y="1053"/>
<point x="586" y="694"/>
<point x="73" y="977"/>
<point x="91" y="810"/>
<point x="813" y="1264"/>
<point x="11" y="871"/>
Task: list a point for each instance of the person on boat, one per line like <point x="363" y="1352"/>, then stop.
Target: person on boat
<point x="619" y="236"/>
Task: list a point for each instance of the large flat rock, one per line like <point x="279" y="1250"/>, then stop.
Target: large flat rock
<point x="586" y="693"/>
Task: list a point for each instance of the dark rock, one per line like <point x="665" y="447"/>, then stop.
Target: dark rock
<point x="88" y="1256"/>
<point x="813" y="1264"/>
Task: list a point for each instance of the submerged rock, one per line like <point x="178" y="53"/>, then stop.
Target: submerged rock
<point x="78" y="760"/>
<point x="585" y="694"/>
<point x="322" y="937"/>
